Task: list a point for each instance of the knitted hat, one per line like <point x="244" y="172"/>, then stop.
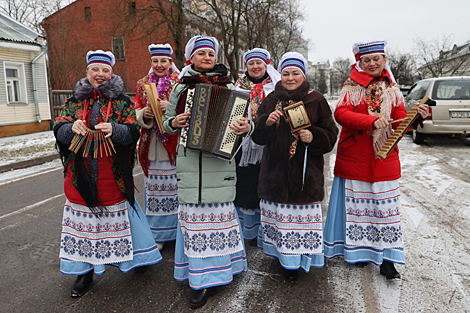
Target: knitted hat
<point x="257" y="53"/>
<point x="100" y="57"/>
<point x="200" y="43"/>
<point x="293" y="60"/>
<point x="195" y="44"/>
<point x="160" y="50"/>
<point x="371" y="47"/>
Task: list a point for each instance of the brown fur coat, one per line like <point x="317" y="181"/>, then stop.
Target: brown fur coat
<point x="280" y="179"/>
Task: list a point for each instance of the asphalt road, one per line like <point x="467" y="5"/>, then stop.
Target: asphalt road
<point x="30" y="217"/>
<point x="435" y="279"/>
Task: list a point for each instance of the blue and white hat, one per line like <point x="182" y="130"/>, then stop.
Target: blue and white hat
<point x="200" y="43"/>
<point x="257" y="53"/>
<point x="159" y="50"/>
<point x="194" y="45"/>
<point x="293" y="60"/>
<point x="371" y="47"/>
<point x="162" y="51"/>
<point x="100" y="57"/>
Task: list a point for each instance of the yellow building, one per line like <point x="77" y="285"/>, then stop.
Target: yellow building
<point x="24" y="93"/>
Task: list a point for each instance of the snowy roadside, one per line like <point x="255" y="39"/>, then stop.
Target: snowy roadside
<point x="26" y="147"/>
<point x="27" y="150"/>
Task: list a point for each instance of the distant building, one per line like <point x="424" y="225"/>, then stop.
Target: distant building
<point x="453" y="62"/>
<point x="24" y="93"/>
<point x="319" y="73"/>
<point x="91" y="25"/>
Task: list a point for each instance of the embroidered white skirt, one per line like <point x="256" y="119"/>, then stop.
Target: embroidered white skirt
<point x="292" y="233"/>
<point x="209" y="245"/>
<point x="120" y="237"/>
<point x="363" y="222"/>
<point x="161" y="200"/>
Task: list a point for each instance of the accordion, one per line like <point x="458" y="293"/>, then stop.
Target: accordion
<point x="213" y="109"/>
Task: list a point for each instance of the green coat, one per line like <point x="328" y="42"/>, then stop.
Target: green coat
<point x="202" y="177"/>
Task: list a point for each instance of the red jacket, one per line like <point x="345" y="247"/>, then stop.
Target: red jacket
<point x="355" y="154"/>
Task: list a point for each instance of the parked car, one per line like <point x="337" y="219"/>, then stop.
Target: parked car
<point x="451" y="115"/>
<point x="405" y="90"/>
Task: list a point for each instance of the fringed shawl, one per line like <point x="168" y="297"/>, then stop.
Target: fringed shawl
<point x="379" y="103"/>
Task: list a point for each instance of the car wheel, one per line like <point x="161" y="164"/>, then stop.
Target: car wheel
<point x="417" y="137"/>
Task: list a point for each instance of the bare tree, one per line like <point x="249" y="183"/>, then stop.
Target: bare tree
<point x="257" y="18"/>
<point x="65" y="53"/>
<point x="245" y="24"/>
<point x="402" y="66"/>
<point x="284" y="33"/>
<point x="160" y="20"/>
<point x="223" y="19"/>
<point x="343" y="67"/>
<point x="32" y="12"/>
<point x="438" y="58"/>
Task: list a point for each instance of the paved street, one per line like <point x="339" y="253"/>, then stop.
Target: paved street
<point x="435" y="216"/>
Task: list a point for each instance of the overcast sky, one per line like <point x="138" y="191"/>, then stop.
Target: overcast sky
<point x="332" y="26"/>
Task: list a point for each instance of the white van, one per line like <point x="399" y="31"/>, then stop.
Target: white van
<point x="451" y="115"/>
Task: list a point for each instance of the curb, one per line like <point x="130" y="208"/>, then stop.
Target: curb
<point x="28" y="163"/>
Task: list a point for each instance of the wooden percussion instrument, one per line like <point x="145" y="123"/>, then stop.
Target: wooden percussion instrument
<point x="154" y="104"/>
<point x="100" y="143"/>
<point x="405" y="123"/>
<point x="296" y="116"/>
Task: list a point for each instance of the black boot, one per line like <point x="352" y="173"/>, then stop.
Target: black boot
<point x="292" y="275"/>
<point x="388" y="270"/>
<point x="361" y="264"/>
<point x="199" y="297"/>
<point x="81" y="284"/>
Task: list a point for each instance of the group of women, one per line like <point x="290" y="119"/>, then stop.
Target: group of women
<point x="271" y="196"/>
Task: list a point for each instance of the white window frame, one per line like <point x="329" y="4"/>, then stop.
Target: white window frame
<point x="22" y="78"/>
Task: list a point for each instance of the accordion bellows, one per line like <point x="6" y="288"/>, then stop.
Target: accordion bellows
<point x="213" y="109"/>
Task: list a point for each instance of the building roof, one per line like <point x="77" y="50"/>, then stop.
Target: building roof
<point x="12" y="30"/>
<point x="456" y="51"/>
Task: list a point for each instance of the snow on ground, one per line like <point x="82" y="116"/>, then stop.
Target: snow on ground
<point x="26" y="147"/>
<point x="435" y="216"/>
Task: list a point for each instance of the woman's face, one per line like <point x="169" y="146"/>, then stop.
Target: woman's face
<point x="256" y="68"/>
<point x="160" y="66"/>
<point x="373" y="65"/>
<point x="292" y="78"/>
<point x="203" y="60"/>
<point x="98" y="74"/>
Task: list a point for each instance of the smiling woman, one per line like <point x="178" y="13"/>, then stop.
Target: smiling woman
<point x="363" y="221"/>
<point x="99" y="185"/>
<point x="157" y="150"/>
<point x="259" y="80"/>
<point x="98" y="74"/>
<point x="211" y="255"/>
<point x="291" y="174"/>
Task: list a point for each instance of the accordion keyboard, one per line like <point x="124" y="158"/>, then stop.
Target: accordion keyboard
<point x="187" y="109"/>
<point x="238" y="110"/>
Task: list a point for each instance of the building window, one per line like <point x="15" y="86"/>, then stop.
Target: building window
<point x="132" y="8"/>
<point x="87" y="13"/>
<point x="118" y="49"/>
<point x="15" y="83"/>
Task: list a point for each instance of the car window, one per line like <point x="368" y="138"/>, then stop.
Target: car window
<point x="451" y="89"/>
<point x="418" y="91"/>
